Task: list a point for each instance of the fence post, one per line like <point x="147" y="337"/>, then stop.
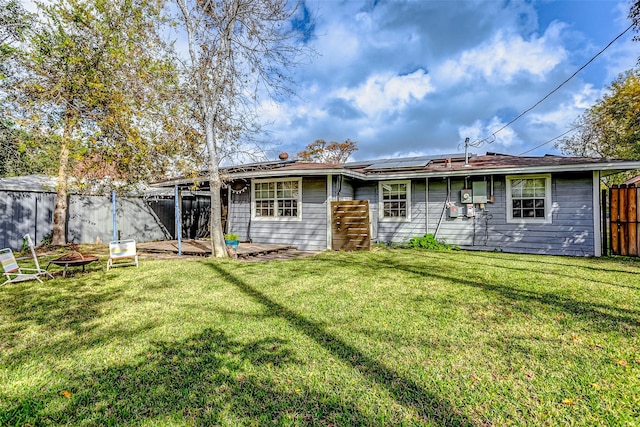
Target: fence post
<point x="178" y="219"/>
<point x="115" y="215"/>
<point x="614" y="219"/>
<point x="632" y="209"/>
<point x="624" y="224"/>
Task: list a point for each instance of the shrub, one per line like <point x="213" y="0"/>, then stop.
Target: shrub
<point x="429" y="241"/>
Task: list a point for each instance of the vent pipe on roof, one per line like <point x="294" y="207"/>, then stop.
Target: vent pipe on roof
<point x="466" y="151"/>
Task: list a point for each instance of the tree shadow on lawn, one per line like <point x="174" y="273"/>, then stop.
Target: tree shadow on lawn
<point x="556" y="260"/>
<point x="570" y="271"/>
<point x="600" y="316"/>
<point x="68" y="305"/>
<point x="430" y="407"/>
<point x="201" y="380"/>
<point x="57" y="311"/>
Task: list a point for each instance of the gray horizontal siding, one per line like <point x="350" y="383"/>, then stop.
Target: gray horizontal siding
<point x="391" y="231"/>
<point x="343" y="189"/>
<point x="455" y="231"/>
<point x="571" y="231"/>
<point x="240" y="214"/>
<point x="308" y="234"/>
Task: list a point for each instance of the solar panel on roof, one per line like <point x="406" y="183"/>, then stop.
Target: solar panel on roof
<point x="402" y="162"/>
<point x="399" y="163"/>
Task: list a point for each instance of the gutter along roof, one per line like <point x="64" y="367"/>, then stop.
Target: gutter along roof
<point x="423" y="167"/>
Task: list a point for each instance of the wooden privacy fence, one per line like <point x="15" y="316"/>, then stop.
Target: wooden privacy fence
<point x="350" y="225"/>
<point x="625" y="220"/>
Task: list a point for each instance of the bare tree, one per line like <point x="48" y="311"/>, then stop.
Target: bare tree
<point x="237" y="49"/>
<point x="333" y="153"/>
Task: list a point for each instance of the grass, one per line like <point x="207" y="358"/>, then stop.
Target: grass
<point x="391" y="337"/>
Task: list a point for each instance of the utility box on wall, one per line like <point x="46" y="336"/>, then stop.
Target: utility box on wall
<point x="479" y="192"/>
<point x="453" y="211"/>
<point x="465" y="196"/>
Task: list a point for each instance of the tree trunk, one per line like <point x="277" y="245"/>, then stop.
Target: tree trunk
<point x="59" y="235"/>
<point x="218" y="247"/>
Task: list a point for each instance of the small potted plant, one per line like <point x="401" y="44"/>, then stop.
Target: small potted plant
<point x="232" y="240"/>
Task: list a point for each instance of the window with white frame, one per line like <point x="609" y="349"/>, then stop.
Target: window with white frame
<point x="277" y="199"/>
<point x="529" y="198"/>
<point x="395" y="200"/>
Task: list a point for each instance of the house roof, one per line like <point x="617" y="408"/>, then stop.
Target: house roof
<point x="425" y="167"/>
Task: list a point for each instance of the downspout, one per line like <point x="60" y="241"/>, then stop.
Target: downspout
<point x="35" y="224"/>
<point x="329" y="199"/>
<point x="114" y="215"/>
<point x="597" y="221"/>
<point x="426" y="207"/>
<point x="229" y="210"/>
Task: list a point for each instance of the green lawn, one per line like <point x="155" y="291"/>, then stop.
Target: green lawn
<point x="392" y="337"/>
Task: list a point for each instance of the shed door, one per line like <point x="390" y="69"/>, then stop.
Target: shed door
<point x="350" y="225"/>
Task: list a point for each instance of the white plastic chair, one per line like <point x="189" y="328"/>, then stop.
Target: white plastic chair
<point x="122" y="250"/>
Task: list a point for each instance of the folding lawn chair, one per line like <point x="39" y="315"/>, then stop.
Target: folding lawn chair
<point x="122" y="250"/>
<point x="13" y="272"/>
<point x="39" y="271"/>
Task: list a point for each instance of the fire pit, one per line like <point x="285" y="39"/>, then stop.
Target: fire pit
<point x="73" y="259"/>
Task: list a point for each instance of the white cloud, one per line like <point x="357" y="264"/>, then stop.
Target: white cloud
<point x="506" y="56"/>
<point x="472" y="77"/>
<point x="479" y="133"/>
<point x="388" y="93"/>
<point x="568" y="111"/>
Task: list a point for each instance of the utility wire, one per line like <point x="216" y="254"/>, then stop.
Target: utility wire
<point x="478" y="142"/>
<point x="549" y="141"/>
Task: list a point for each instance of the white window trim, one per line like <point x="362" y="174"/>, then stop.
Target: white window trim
<point x="275" y="218"/>
<point x="381" y="216"/>
<point x="547" y="201"/>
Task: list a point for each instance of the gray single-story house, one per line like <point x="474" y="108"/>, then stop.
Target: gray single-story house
<point x="545" y="205"/>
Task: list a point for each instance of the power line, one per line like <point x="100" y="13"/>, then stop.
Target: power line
<point x="479" y="142"/>
<point x="549" y="141"/>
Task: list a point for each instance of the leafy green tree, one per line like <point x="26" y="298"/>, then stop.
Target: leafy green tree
<point x="611" y="127"/>
<point x="15" y="144"/>
<point x="333" y="153"/>
<point x="13" y="22"/>
<point x="23" y="154"/>
<point x="237" y="49"/>
<point x="90" y="70"/>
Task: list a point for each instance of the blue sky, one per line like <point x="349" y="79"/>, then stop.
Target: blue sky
<point x="409" y="78"/>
